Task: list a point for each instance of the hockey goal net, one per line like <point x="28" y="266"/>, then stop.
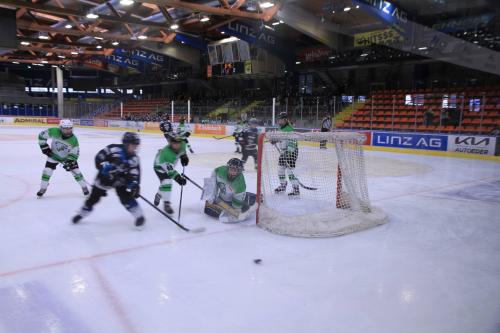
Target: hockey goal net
<point x="313" y="184"/>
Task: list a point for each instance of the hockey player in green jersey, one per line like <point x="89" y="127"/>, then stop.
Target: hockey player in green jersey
<point x="289" y="152"/>
<point x="63" y="149"/>
<point x="164" y="166"/>
<point x="184" y="131"/>
<point x="226" y="195"/>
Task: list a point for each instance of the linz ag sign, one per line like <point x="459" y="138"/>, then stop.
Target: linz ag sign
<point x="411" y="141"/>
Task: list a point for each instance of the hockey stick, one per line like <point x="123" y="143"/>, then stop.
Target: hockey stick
<point x="180" y="201"/>
<point x="192" y="181"/>
<point x="293" y="174"/>
<point x="216" y="138"/>
<point x="195" y="230"/>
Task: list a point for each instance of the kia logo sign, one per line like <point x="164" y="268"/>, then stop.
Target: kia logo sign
<point x="472" y="141"/>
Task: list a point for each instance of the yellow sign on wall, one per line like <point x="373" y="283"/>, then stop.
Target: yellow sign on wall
<point x="248" y="67"/>
<point x="384" y="37"/>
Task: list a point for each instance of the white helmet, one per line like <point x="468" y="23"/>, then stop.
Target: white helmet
<point x="66" y="123"/>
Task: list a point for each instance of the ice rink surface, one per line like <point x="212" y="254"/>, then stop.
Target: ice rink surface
<point x="435" y="267"/>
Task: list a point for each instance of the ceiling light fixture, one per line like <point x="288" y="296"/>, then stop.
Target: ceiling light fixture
<point x="297" y="63"/>
<point x="205" y="19"/>
<point x="99" y="38"/>
<point x="68" y="26"/>
<point x="45" y="62"/>
<point x="346" y="9"/>
<point x="422" y="48"/>
<point x="357" y="6"/>
<point x="126" y="2"/>
<point x="174" y="26"/>
<point x="15" y="62"/>
<point x="25" y="43"/>
<point x="92" y="16"/>
<point x="266" y="4"/>
<point x="142" y="37"/>
<point x="61" y="56"/>
<point x="74" y="53"/>
<point x="99" y="47"/>
<point x="115" y="43"/>
<point x="44" y="37"/>
<point x="275" y="23"/>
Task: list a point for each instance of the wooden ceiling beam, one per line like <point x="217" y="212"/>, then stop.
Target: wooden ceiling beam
<point x="78" y="13"/>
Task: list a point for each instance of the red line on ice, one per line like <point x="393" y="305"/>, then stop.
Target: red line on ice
<point x="113" y="298"/>
<point x="114" y="252"/>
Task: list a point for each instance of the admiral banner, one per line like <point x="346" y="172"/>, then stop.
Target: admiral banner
<point x="383" y="37"/>
<point x="29" y="120"/>
<point x="480" y="145"/>
<point x="410" y="141"/>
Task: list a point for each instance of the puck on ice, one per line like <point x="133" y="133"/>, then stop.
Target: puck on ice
<point x="257" y="261"/>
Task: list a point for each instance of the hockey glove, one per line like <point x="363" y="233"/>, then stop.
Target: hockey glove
<point x="46" y="150"/>
<point x="180" y="180"/>
<point x="106" y="170"/>
<point x="184" y="160"/>
<point x="70" y="165"/>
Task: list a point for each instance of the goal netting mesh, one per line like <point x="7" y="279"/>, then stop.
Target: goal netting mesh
<point x="314" y="184"/>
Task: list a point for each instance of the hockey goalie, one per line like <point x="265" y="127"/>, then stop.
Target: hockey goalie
<point x="225" y="194"/>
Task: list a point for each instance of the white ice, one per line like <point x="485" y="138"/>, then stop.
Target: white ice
<point x="435" y="267"/>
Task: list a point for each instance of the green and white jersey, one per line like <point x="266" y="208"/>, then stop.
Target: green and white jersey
<point x="183" y="128"/>
<point x="231" y="191"/>
<point x="62" y="149"/>
<point x="288" y="145"/>
<point x="240" y="127"/>
<point x="167" y="158"/>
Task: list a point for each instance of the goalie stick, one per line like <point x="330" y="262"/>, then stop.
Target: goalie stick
<point x="310" y="188"/>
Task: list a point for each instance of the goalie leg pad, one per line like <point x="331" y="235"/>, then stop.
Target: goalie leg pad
<point x="213" y="210"/>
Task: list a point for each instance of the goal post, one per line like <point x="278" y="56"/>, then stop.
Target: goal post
<point x="309" y="189"/>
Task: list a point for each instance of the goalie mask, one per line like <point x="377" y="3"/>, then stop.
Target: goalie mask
<point x="234" y="167"/>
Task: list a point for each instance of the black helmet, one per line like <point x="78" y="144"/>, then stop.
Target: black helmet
<point x="235" y="163"/>
<point x="130" y="138"/>
<point x="282" y="115"/>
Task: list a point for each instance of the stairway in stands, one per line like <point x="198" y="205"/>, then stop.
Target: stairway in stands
<point x="346" y="113"/>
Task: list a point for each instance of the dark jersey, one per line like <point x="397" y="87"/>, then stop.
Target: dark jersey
<point x="117" y="167"/>
<point x="166" y="126"/>
<point x="249" y="138"/>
